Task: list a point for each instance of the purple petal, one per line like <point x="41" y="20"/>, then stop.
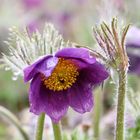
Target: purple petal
<point x="78" y="53"/>
<point x="94" y="74"/>
<point x="32" y="3"/>
<point x="44" y="65"/>
<point x="54" y="104"/>
<point x="134" y="64"/>
<point x="133" y="37"/>
<point x="80" y="97"/>
<point x="79" y="63"/>
<point x="48" y="66"/>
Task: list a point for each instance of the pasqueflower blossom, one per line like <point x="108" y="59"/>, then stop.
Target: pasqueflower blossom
<point x="133" y="49"/>
<point x="32" y="3"/>
<point x="62" y="80"/>
<point x="60" y="76"/>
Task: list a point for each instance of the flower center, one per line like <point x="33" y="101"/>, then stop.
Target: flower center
<point x="63" y="76"/>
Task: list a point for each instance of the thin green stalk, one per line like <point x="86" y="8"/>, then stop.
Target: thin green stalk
<point x="97" y="113"/>
<point x="14" y="121"/>
<point x="121" y="105"/>
<point x="40" y="126"/>
<point x="57" y="131"/>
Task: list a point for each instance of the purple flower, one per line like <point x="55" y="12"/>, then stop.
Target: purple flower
<point x="63" y="80"/>
<point x="62" y="21"/>
<point x="133" y="49"/>
<point x="32" y="3"/>
<point x="119" y="3"/>
<point x="33" y="26"/>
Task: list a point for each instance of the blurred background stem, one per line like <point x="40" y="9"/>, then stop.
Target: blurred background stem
<point x="97" y="113"/>
<point x="40" y="126"/>
<point x="5" y="112"/>
<point x="57" y="131"/>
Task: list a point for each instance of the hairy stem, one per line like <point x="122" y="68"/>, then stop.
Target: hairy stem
<point x="40" y="126"/>
<point x="97" y="113"/>
<point x="14" y="120"/>
<point x="57" y="131"/>
<point x="121" y="105"/>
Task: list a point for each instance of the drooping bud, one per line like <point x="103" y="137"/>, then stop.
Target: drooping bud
<point x="112" y="43"/>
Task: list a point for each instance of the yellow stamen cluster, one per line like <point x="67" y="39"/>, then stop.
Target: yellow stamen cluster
<point x="63" y="76"/>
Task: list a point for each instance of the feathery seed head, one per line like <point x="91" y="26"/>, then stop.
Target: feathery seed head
<point x="24" y="48"/>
